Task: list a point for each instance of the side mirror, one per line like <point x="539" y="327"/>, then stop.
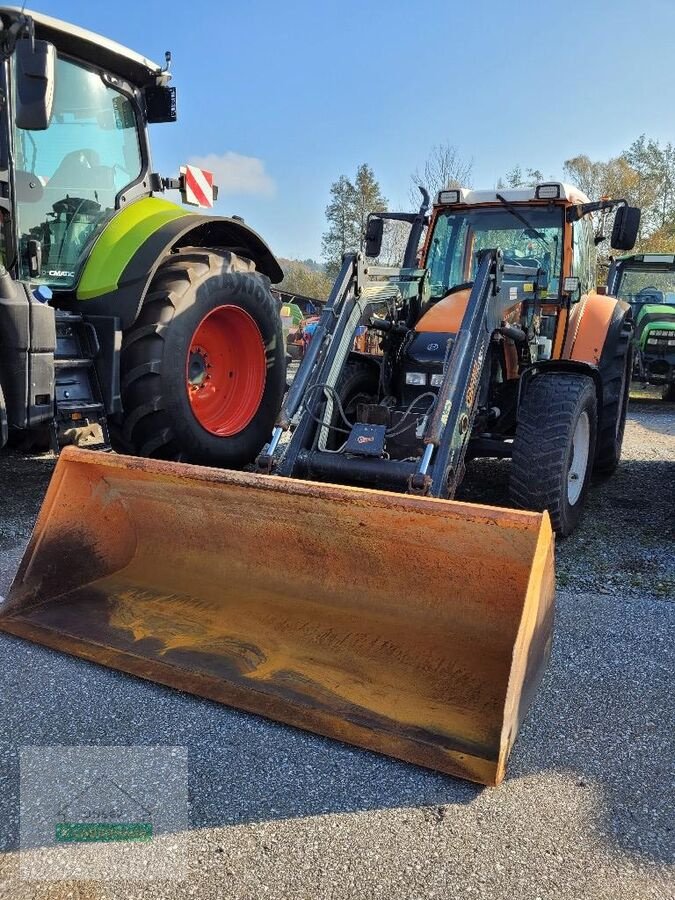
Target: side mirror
<point x="35" y="63"/>
<point x="626" y="227"/>
<point x="374" y="232"/>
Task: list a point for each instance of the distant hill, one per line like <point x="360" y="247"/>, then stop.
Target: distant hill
<point x="306" y="277"/>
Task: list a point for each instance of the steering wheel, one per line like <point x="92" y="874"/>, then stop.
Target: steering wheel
<point x="529" y="262"/>
<point x="649" y="290"/>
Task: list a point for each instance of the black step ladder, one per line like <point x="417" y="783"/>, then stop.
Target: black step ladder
<point x="80" y="412"/>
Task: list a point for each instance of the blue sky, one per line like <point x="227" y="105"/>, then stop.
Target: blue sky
<point x="292" y="94"/>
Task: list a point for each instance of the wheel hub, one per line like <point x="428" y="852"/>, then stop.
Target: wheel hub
<point x="225" y="370"/>
<point x="576" y="474"/>
<point x="198" y="366"/>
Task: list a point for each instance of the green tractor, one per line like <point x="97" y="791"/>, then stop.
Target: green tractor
<point x="647" y="282"/>
<point x="125" y="320"/>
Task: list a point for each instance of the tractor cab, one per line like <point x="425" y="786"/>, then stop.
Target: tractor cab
<point x="76" y="127"/>
<point x="647" y="282"/>
<point x="84" y="240"/>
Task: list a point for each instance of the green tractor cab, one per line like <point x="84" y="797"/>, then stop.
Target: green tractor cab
<point x="125" y="319"/>
<point x="647" y="282"/>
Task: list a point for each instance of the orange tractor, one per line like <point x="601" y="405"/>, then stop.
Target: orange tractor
<point x="424" y="625"/>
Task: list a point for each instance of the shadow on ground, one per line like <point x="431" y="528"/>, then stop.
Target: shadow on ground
<point x="603" y="716"/>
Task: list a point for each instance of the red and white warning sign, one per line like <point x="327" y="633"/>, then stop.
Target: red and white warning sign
<point x="197" y="186"/>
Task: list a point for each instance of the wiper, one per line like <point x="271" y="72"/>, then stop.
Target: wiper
<point x="533" y="233"/>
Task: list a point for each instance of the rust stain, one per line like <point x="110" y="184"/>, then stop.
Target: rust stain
<point x="406" y="625"/>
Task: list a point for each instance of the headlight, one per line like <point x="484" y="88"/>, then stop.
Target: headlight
<point x="436" y="380"/>
<point x="418" y="378"/>
<point x="671" y="343"/>
<point x="652" y="340"/>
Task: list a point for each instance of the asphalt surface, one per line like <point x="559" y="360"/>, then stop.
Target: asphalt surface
<point x="587" y="807"/>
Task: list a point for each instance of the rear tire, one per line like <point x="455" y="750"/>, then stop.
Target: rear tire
<point x="554" y="447"/>
<point x="669" y="393"/>
<point x="209" y="330"/>
<point x="615" y="391"/>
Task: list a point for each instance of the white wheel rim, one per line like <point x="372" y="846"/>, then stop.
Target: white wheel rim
<point x="581" y="442"/>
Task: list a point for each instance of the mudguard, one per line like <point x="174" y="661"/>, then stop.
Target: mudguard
<point x="125" y="255"/>
<point x="594" y="322"/>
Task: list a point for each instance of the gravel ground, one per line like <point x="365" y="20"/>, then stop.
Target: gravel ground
<point x="587" y="807"/>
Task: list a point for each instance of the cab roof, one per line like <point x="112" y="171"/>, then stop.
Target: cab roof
<point x="472" y="197"/>
<point x="88" y="46"/>
<point x="660" y="261"/>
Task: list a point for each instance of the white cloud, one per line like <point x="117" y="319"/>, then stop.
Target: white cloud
<point x="237" y="174"/>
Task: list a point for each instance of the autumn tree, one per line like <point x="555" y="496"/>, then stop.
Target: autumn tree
<point x="654" y="168"/>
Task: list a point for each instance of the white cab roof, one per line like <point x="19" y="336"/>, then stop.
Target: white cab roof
<point x="519" y="195"/>
<point x="75" y="34"/>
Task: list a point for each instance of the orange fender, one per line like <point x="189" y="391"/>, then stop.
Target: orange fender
<point x="589" y="323"/>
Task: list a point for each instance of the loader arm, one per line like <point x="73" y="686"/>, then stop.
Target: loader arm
<point x="439" y="471"/>
<point x="449" y="430"/>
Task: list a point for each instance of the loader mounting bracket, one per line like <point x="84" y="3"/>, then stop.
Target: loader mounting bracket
<point x="265" y="463"/>
<point x="419" y="484"/>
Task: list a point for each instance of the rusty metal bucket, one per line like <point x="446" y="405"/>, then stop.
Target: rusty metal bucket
<point x="415" y="627"/>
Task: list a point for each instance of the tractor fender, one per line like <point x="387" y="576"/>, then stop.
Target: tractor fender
<point x="126" y="254"/>
<point x="593" y="328"/>
<point x="622" y="318"/>
<point x="368" y="358"/>
<point x="596" y="326"/>
<point x="570" y="366"/>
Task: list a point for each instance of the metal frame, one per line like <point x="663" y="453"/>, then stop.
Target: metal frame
<point x="448" y="429"/>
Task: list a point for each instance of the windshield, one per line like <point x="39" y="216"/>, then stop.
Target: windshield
<point x="459" y="235"/>
<point x="68" y="176"/>
<point x="638" y="287"/>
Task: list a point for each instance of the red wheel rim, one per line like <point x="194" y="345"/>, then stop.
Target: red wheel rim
<point x="226" y="370"/>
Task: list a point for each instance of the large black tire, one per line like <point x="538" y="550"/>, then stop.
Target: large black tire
<point x="158" y="419"/>
<point x="669" y="393"/>
<point x="550" y="428"/>
<point x="616" y="375"/>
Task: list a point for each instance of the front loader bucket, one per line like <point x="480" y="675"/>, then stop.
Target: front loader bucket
<point x="415" y="627"/>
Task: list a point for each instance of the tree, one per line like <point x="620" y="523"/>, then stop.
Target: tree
<point x="616" y="178"/>
<point x="304" y="278"/>
<point x="654" y="167"/>
<point x="346" y="214"/>
<point x="444" y="168"/>
<point x="367" y="198"/>
<point x="516" y="179"/>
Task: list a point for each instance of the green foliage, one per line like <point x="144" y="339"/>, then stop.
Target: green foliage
<point x="346" y="214"/>
<point x="306" y="278"/>
<point x="644" y="175"/>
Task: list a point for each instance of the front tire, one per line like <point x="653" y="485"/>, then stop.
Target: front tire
<point x="203" y="366"/>
<point x="554" y="447"/>
<point x="669" y="393"/>
<point x="359" y="383"/>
